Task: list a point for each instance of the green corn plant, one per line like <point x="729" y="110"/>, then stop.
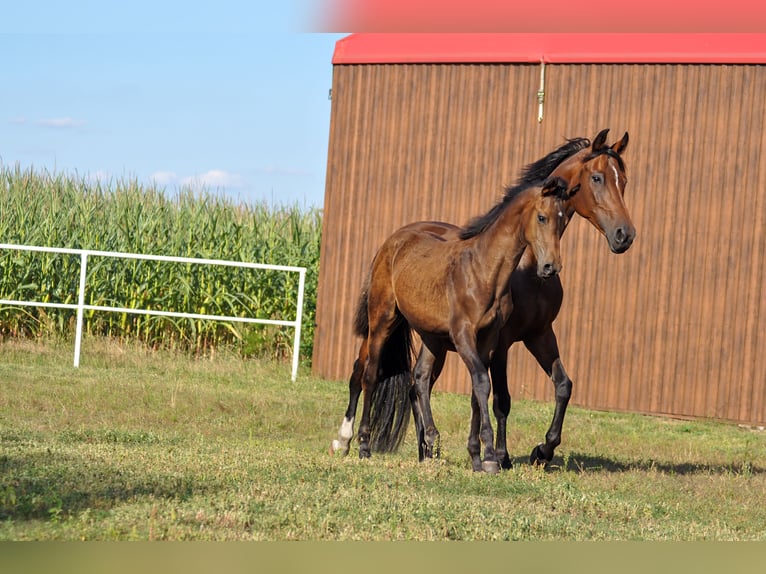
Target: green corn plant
<point x="62" y="210"/>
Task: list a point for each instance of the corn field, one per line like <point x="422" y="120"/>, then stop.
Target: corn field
<point x="57" y="210"/>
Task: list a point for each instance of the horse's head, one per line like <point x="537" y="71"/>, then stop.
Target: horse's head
<point x="545" y="223"/>
<point x="598" y="172"/>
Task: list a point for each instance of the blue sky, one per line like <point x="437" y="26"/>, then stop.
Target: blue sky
<point x="232" y="95"/>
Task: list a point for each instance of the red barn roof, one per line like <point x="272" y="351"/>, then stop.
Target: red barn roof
<point x="572" y="48"/>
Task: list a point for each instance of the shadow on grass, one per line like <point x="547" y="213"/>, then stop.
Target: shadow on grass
<point x="51" y="485"/>
<point x="580" y="463"/>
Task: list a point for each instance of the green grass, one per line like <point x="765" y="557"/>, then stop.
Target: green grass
<point x="140" y="445"/>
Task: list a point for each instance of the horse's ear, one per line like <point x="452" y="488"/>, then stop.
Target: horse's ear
<point x="549" y="186"/>
<point x="555" y="186"/>
<point x="572" y="191"/>
<point x="619" y="147"/>
<point x="600" y="140"/>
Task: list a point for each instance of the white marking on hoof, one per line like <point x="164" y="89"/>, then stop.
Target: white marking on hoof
<point x="490" y="466"/>
<point x="345" y="434"/>
<point x="338" y="448"/>
<point x="346" y="430"/>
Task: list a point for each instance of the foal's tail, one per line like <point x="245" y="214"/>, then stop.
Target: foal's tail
<point x="390" y="410"/>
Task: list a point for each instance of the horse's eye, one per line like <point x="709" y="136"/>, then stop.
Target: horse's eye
<point x="597" y="178"/>
<point x="541" y="218"/>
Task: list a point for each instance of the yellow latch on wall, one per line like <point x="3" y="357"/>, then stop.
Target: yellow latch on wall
<point x="541" y="93"/>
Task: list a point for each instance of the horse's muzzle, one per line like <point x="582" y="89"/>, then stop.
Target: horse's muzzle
<point x="548" y="270"/>
<point x="622" y="239"/>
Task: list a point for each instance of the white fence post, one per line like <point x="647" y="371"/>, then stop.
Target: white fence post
<point x="81" y="307"/>
<point x="298" y="318"/>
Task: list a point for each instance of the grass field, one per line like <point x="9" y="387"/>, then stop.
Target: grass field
<point x="138" y="445"/>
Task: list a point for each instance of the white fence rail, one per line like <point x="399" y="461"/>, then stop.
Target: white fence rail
<point x="81" y="307"/>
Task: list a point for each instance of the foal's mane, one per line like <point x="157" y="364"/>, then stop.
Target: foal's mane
<point x="532" y="175"/>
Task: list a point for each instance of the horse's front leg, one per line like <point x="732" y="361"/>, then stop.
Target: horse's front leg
<point x="466" y="348"/>
<point x="501" y="399"/>
<point x="545" y="349"/>
<point x="474" y="434"/>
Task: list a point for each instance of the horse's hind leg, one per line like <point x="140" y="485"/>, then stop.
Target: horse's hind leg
<point x="546" y="351"/>
<point x="426" y="371"/>
<point x="346" y="431"/>
<point x="382" y="323"/>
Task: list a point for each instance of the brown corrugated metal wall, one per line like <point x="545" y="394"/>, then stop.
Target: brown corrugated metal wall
<point x="676" y="324"/>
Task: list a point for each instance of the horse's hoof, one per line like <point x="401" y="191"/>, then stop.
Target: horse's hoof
<point x="338" y="448"/>
<point x="537" y="458"/>
<point x="432" y="451"/>
<point x="506" y="464"/>
<point x="490" y="466"/>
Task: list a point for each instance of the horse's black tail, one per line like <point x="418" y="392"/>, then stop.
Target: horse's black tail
<point x="361" y="320"/>
<point x="390" y="402"/>
<point x="390" y="410"/>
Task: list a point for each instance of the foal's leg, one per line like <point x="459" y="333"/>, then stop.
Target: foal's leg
<point x="474" y="440"/>
<point x="427" y="369"/>
<point x="501" y="399"/>
<point x="546" y="350"/>
<point x="465" y="345"/>
<point x="346" y="431"/>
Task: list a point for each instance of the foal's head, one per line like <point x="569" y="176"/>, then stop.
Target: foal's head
<point x="544" y="221"/>
<point x="599" y="173"/>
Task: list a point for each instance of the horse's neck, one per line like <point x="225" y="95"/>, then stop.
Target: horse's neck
<point x="501" y="245"/>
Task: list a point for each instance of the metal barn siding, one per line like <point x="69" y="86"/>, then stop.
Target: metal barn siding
<point x="674" y="325"/>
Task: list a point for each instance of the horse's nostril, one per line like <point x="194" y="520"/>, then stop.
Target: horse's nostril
<point x="621" y="239"/>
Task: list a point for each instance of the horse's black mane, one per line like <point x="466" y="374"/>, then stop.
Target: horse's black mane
<point x="532" y="175"/>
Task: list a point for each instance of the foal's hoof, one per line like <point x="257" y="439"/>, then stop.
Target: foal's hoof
<point x="490" y="466"/>
<point x="537" y="458"/>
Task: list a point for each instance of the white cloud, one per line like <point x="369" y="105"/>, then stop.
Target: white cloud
<point x="213" y="179"/>
<point x="279" y="171"/>
<point x="164" y="177"/>
<point x="99" y="176"/>
<point x="60" y="123"/>
<point x="65" y="123"/>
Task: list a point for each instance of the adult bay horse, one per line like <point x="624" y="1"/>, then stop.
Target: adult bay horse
<point x="454" y="290"/>
<point x="599" y="171"/>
